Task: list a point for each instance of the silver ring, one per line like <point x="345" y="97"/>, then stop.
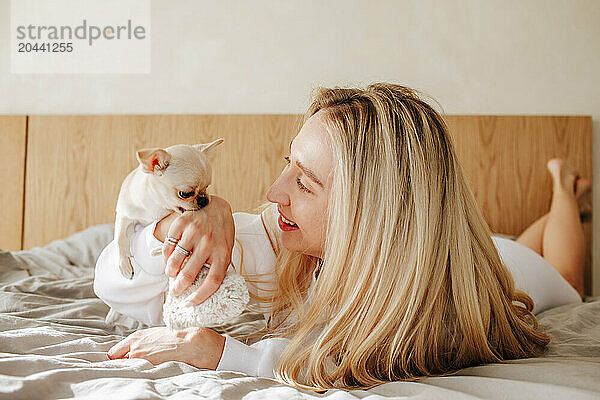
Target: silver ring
<point x="171" y="240"/>
<point x="182" y="251"/>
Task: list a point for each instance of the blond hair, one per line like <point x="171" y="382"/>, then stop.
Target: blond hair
<point x="410" y="283"/>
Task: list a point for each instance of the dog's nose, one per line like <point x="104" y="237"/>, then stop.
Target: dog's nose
<point x="202" y="201"/>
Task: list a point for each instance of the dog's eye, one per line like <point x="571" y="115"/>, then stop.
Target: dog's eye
<point x="185" y="195"/>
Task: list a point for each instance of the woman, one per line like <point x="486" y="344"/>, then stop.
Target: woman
<point x="385" y="268"/>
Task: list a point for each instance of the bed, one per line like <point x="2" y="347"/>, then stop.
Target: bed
<point x="53" y="339"/>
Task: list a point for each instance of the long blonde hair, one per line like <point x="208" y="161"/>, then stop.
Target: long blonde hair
<point x="410" y="283"/>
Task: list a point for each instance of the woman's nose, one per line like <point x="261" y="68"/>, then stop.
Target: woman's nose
<point x="277" y="193"/>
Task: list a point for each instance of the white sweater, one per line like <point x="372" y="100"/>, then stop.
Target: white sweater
<point x="142" y="297"/>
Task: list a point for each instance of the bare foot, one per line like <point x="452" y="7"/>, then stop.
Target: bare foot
<point x="566" y="176"/>
<point x="562" y="173"/>
<point x="583" y="187"/>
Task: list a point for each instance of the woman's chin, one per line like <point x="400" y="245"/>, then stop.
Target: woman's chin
<point x="289" y="240"/>
<point x="292" y="240"/>
<point x="295" y="244"/>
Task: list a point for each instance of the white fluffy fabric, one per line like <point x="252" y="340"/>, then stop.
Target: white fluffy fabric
<point x="226" y="303"/>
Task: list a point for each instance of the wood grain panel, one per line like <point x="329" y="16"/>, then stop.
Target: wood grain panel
<point x="76" y="163"/>
<point x="12" y="153"/>
<point x="505" y="159"/>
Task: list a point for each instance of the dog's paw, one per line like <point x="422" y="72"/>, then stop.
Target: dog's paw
<point x="126" y="268"/>
<point x="157" y="251"/>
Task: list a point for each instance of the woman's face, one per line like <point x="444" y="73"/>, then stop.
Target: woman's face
<point x="302" y="190"/>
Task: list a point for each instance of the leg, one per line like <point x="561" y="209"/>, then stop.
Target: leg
<point x="533" y="235"/>
<point x="563" y="241"/>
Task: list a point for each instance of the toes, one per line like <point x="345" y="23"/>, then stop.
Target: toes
<point x="562" y="173"/>
<point x="554" y="165"/>
<point x="583" y="185"/>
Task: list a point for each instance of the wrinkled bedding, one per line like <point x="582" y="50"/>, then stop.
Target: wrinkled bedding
<point x="53" y="343"/>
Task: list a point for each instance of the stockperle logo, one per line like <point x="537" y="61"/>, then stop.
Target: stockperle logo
<point x="74" y="36"/>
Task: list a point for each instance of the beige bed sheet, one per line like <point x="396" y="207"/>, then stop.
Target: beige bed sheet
<point x="53" y="343"/>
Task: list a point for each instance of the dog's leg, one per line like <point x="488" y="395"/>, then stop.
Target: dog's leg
<point x="123" y="231"/>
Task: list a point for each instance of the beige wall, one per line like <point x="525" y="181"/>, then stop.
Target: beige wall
<point x="492" y="57"/>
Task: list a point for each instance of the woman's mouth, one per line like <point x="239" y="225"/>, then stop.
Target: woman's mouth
<point x="285" y="224"/>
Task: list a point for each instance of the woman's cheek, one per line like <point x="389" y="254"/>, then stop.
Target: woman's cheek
<point x="315" y="227"/>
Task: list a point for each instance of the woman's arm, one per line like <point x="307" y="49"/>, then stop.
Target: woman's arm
<point x="202" y="348"/>
<point x="142" y="297"/>
<point x="199" y="347"/>
<point x="205" y="348"/>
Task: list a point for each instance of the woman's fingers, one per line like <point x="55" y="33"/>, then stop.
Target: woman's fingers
<point x="161" y="231"/>
<point x="208" y="234"/>
<point x="181" y="257"/>
<point x="211" y="283"/>
<point x="191" y="268"/>
<point x="119" y="350"/>
<point x="176" y="230"/>
<point x="168" y="247"/>
<point x="174" y="263"/>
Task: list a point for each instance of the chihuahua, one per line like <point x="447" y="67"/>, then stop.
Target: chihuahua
<point x="167" y="180"/>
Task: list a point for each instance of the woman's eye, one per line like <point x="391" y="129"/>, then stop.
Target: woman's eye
<point x="298" y="181"/>
<point x="301" y="186"/>
<point x="186" y="195"/>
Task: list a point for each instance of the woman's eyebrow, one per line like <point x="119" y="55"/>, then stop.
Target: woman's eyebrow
<point x="308" y="172"/>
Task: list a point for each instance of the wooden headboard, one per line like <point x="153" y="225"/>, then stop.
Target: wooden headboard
<point x="62" y="173"/>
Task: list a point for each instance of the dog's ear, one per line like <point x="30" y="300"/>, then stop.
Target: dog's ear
<point x="209" y="148"/>
<point x="153" y="161"/>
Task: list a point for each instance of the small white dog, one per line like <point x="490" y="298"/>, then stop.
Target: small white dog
<point x="167" y="180"/>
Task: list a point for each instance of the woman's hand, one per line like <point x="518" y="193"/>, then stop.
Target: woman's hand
<point x="199" y="347"/>
<point x="209" y="234"/>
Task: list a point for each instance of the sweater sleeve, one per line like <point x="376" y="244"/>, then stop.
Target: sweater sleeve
<point x="142" y="297"/>
<point x="258" y="359"/>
